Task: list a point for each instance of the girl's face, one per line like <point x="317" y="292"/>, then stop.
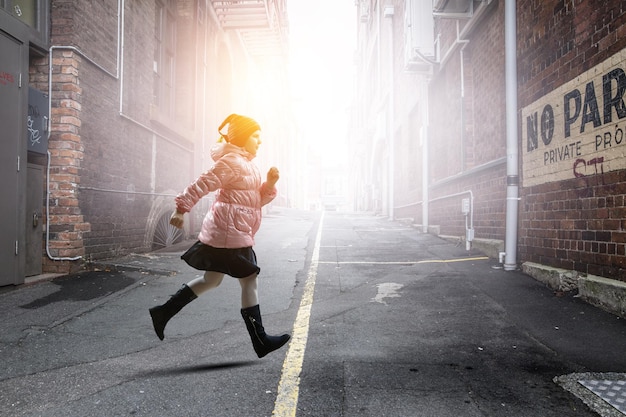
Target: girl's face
<point x="253" y="142"/>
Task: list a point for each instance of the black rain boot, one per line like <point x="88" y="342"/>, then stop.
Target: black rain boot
<point x="161" y="314"/>
<point x="262" y="343"/>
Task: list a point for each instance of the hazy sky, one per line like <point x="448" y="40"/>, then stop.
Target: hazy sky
<point x="322" y="37"/>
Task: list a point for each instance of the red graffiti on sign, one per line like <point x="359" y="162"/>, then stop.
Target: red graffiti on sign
<point x="581" y="165"/>
<point x="6" y="78"/>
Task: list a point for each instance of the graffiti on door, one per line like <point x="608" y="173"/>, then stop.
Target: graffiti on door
<point x="6" y="78"/>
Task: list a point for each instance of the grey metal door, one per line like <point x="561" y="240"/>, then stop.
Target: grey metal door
<point x="11" y="116"/>
<point x="34" y="220"/>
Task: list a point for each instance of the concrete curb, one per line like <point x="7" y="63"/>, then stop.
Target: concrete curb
<point x="607" y="294"/>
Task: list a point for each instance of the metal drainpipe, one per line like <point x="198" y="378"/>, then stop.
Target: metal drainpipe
<point x="388" y="13"/>
<point x="425" y="158"/>
<point x="512" y="169"/>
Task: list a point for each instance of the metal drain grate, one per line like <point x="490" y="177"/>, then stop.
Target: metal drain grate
<point x="613" y="392"/>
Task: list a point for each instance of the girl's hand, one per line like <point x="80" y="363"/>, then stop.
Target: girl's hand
<point x="272" y="176"/>
<point x="177" y="220"/>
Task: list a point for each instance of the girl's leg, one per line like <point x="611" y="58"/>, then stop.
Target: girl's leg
<point x="207" y="282"/>
<point x="163" y="313"/>
<point x="249" y="292"/>
<point x="187" y="293"/>
<point x="251" y="313"/>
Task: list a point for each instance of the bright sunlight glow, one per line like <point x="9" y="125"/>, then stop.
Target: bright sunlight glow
<point x="322" y="37"/>
<point x="322" y="40"/>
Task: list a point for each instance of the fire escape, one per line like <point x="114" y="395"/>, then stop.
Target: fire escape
<point x="261" y="24"/>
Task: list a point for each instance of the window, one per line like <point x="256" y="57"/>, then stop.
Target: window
<point x="24" y="10"/>
<point x="164" y="56"/>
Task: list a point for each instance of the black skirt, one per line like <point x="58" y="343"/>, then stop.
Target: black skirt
<point x="238" y="263"/>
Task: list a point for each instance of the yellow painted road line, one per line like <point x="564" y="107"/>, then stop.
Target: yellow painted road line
<point x="289" y="386"/>
<point x="431" y="261"/>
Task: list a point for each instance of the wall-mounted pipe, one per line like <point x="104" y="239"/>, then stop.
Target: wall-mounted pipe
<point x="512" y="169"/>
<point x="469" y="27"/>
<point x="391" y="129"/>
<point x="470" y="236"/>
<point x="425" y="156"/>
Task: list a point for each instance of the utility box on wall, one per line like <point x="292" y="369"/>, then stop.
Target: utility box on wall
<point x="37" y="121"/>
<point x="453" y="8"/>
<point x="419" y="38"/>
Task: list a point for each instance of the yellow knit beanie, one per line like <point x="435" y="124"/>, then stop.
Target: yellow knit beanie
<point x="239" y="129"/>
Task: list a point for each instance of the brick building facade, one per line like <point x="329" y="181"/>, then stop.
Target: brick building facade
<point x="437" y="129"/>
<point x="136" y="91"/>
<point x="573" y="213"/>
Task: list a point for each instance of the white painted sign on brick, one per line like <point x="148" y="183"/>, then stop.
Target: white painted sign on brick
<point x="579" y="129"/>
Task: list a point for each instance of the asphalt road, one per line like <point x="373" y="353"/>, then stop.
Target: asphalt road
<point x="386" y="321"/>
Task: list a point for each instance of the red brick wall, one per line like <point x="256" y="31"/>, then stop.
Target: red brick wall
<point x="67" y="225"/>
<point x="486" y="89"/>
<point x="108" y="169"/>
<point x="468" y="133"/>
<point x="488" y="187"/>
<point x="118" y="154"/>
<point x="577" y="223"/>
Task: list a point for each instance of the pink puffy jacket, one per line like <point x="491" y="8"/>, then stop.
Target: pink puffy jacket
<point x="235" y="217"/>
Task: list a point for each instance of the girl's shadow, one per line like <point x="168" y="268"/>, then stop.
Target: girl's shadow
<point x="173" y="371"/>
